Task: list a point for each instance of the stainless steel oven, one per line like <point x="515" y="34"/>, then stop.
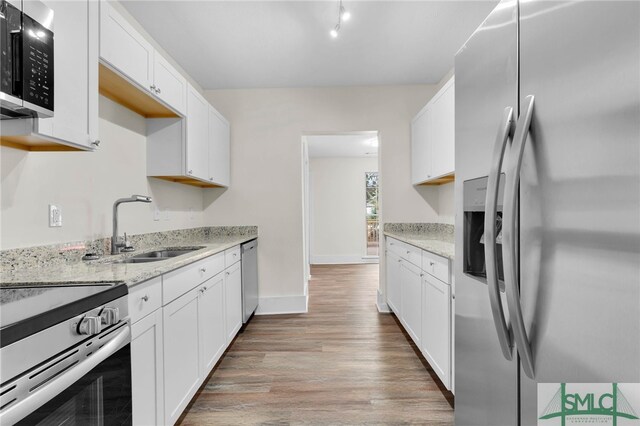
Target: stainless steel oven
<point x="65" y="356"/>
<point x="26" y="59"/>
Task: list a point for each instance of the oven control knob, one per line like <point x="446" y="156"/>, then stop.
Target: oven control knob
<point x="90" y="326"/>
<point x="110" y="316"/>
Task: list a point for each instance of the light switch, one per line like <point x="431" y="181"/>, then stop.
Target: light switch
<point x="55" y="216"/>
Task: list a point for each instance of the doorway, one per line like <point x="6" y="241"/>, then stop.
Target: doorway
<point x="341" y="198"/>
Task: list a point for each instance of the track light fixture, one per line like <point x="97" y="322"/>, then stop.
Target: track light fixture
<point x="343" y="15"/>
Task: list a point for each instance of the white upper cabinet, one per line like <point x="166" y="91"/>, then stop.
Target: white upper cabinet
<point x="197" y="135"/>
<point x="123" y="48"/>
<point x="219" y="148"/>
<point x="192" y="150"/>
<point x="138" y="76"/>
<point x="433" y="139"/>
<point x="169" y="84"/>
<point x="74" y="125"/>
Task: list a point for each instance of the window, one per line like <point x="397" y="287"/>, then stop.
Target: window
<point x="373" y="225"/>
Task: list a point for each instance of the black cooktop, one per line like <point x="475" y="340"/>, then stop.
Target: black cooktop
<point x="25" y="310"/>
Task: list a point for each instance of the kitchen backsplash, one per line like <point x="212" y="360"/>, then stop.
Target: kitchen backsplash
<point x="56" y="254"/>
<point x="442" y="231"/>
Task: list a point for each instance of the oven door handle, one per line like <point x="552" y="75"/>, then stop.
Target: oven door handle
<point x="22" y="409"/>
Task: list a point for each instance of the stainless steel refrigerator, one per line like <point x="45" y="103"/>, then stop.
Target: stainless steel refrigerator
<point x="547" y="271"/>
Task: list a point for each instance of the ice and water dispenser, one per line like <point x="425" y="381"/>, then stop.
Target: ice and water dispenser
<point x="474" y="196"/>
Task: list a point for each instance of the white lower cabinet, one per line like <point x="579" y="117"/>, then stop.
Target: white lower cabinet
<point x="436" y="327"/>
<point x="174" y="347"/>
<point x="233" y="300"/>
<point x="181" y="353"/>
<point x="211" y="322"/>
<point x="422" y="299"/>
<point x="393" y="282"/>
<point x="411" y="300"/>
<point x="147" y="385"/>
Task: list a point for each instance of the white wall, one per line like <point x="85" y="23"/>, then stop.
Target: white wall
<point x="338" y="208"/>
<point x="266" y="165"/>
<point x="85" y="185"/>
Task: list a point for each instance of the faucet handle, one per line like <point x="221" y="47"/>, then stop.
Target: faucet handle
<point x="127" y="247"/>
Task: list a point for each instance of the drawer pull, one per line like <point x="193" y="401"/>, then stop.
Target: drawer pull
<point x="228" y="273"/>
<point x="422" y="275"/>
<point x="203" y="270"/>
<point x="408" y="252"/>
<point x="145" y="298"/>
<point x="235" y="254"/>
<point x="431" y="263"/>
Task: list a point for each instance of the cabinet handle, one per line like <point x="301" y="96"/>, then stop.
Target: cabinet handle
<point x="228" y="273"/>
<point x="211" y="179"/>
<point x="422" y="275"/>
<point x="408" y="252"/>
<point x="158" y="90"/>
<point x="96" y="143"/>
<point x="399" y="260"/>
<point x="145" y="298"/>
<point x="431" y="263"/>
<point x="203" y="269"/>
<point x="153" y="87"/>
<point x="190" y="172"/>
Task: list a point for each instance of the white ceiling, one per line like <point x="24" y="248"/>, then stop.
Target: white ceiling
<point x="361" y="145"/>
<point x="249" y="44"/>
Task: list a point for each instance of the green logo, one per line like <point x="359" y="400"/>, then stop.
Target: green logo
<point x="590" y="405"/>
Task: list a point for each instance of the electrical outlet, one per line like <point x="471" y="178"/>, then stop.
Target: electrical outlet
<point x="55" y="216"/>
<point x="156" y="215"/>
<point x="165" y="215"/>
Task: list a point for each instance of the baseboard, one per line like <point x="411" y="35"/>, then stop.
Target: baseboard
<point x="342" y="260"/>
<point x="283" y="305"/>
<point x="381" y="303"/>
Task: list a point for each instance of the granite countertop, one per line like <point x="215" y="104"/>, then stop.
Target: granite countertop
<point x="435" y="238"/>
<point x="103" y="270"/>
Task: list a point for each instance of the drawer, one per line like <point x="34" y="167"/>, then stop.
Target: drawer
<point x="406" y="251"/>
<point x="437" y="266"/>
<point x="178" y="282"/>
<point x="145" y="298"/>
<point x="231" y="256"/>
<point x="395" y="246"/>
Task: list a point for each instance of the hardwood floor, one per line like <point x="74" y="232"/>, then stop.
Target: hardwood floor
<point x="342" y="363"/>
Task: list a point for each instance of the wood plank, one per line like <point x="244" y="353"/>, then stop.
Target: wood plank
<point x="34" y="143"/>
<point x="117" y="88"/>
<point x="441" y="180"/>
<point x="341" y="363"/>
<point x="188" y="181"/>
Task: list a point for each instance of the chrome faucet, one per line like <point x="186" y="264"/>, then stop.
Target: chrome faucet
<point x="115" y="245"/>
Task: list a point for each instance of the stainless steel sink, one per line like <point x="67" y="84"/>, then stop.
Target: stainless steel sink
<point x="158" y="255"/>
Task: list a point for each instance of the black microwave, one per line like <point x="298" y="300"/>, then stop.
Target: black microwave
<point x="26" y="61"/>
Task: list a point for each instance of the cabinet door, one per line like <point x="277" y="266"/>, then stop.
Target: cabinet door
<point x="233" y="300"/>
<point x="211" y="322"/>
<point x="124" y="48"/>
<point x="75" y="74"/>
<point x="171" y="86"/>
<point x="420" y="152"/>
<point x="443" y="139"/>
<point x="219" y="147"/>
<point x="181" y="354"/>
<point x="411" y="300"/>
<point x="393" y="282"/>
<point x="436" y="327"/>
<point x="147" y="384"/>
<point x="197" y="144"/>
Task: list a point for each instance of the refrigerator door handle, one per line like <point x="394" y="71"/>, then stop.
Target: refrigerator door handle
<point x="509" y="249"/>
<point x="491" y="206"/>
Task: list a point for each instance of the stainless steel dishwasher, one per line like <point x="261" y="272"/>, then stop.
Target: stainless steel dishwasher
<point x="249" y="279"/>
